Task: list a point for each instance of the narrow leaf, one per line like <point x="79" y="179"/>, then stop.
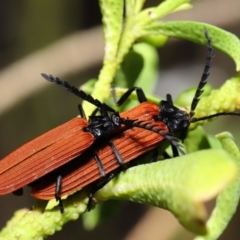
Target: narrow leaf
<point x="180" y="185"/>
<point x="149" y="15"/>
<point x="228" y="200"/>
<point x="193" y="31"/>
<point x="112" y="17"/>
<point x="133" y="7"/>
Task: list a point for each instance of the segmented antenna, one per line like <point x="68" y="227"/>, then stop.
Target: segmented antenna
<point x="77" y="92"/>
<point x="203" y="83"/>
<point x="205" y="74"/>
<point x="215" y="115"/>
<point x="153" y="128"/>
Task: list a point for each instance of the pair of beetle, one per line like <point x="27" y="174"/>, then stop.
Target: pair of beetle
<point x="81" y="152"/>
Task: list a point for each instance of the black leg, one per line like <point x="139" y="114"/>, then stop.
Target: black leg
<point x="117" y="154"/>
<point x="169" y="99"/>
<point x="100" y="185"/>
<point x="175" y="151"/>
<point x="100" y="165"/>
<point x="155" y="155"/>
<point x="140" y="94"/>
<point x="58" y="192"/>
<point x="166" y="155"/>
<point x="95" y="112"/>
<point x="81" y="111"/>
<point x="18" y="192"/>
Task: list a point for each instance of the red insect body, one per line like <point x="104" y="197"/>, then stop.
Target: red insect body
<point x="44" y="154"/>
<point x="67" y="151"/>
<point x="56" y="148"/>
<point x="130" y="144"/>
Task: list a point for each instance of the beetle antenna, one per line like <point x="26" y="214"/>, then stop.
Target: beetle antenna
<point x="153" y="128"/>
<point x="77" y="92"/>
<point x="203" y="82"/>
<point x="205" y="74"/>
<point x="215" y="115"/>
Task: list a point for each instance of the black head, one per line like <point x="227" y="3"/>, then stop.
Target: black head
<point x="175" y="118"/>
<point x="108" y="121"/>
<point x="178" y="120"/>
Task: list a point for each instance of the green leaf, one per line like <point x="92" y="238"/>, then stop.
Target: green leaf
<point x="112" y="17"/>
<point x="224" y="99"/>
<point x="140" y="67"/>
<point x="155" y="40"/>
<point x="227" y="201"/>
<point x="88" y="86"/>
<point x="100" y="213"/>
<point x="150" y="15"/>
<point x="184" y="6"/>
<point x="193" y="31"/>
<point x="180" y="185"/>
<point x="196" y="140"/>
<point x="213" y="142"/>
<point x="133" y="7"/>
<point x="36" y="224"/>
<point x="130" y="69"/>
<point x="91" y="219"/>
<point x="185" y="98"/>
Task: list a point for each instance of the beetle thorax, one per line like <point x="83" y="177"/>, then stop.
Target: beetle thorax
<point x="101" y="126"/>
<point x="175" y="118"/>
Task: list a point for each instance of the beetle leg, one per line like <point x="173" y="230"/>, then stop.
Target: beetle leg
<point x="140" y="94"/>
<point x="81" y="111"/>
<point x="100" y="165"/>
<point x="175" y="150"/>
<point x="18" y="192"/>
<point x="58" y="191"/>
<point x="117" y="154"/>
<point x="155" y="155"/>
<point x="100" y="185"/>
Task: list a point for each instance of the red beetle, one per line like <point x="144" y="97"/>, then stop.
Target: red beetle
<point x="130" y="144"/>
<point x="58" y="167"/>
<point x="161" y="124"/>
<point x="57" y="147"/>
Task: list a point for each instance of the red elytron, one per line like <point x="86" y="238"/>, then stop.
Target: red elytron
<point x="68" y="158"/>
<point x="167" y="121"/>
<point x="130" y="144"/>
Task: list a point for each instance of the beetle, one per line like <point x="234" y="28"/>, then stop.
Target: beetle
<point x="76" y="171"/>
<point x="130" y="144"/>
<point x="167" y="120"/>
<point x="55" y="148"/>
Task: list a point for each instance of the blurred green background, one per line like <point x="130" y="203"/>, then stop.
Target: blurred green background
<point x="64" y="38"/>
